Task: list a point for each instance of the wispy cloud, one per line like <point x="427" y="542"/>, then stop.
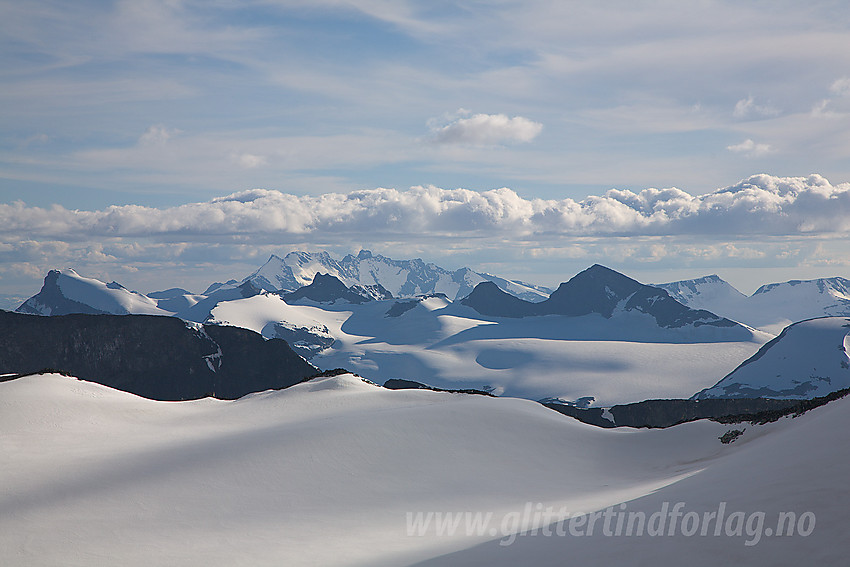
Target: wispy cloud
<point x="747" y="107"/>
<point x="157" y="134"/>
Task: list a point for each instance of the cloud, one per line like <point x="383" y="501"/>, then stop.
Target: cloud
<point x="249" y="161"/>
<point x="838" y="105"/>
<point x="747" y="107"/>
<point x="750" y="148"/>
<point x="156" y="135"/>
<point x="487" y="130"/>
<point x="841" y="87"/>
<point x="761" y="204"/>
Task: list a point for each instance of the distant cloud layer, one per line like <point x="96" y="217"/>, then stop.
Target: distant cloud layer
<point x="761" y="204"/>
<point x="487" y="130"/>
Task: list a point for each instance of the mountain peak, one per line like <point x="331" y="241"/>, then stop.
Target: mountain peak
<point x="597" y="289"/>
<point x="488" y="299"/>
<point x="364" y="254"/>
<point x="326" y="288"/>
<point x="65" y="292"/>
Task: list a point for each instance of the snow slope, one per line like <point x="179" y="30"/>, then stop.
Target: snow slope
<point x="305" y="329"/>
<point x="66" y="292"/>
<point x="808" y="359"/>
<point x="326" y="472"/>
<point x="792" y="466"/>
<point x="772" y="307"/>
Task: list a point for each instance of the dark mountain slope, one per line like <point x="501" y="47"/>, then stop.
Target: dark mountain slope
<point x="161" y="358"/>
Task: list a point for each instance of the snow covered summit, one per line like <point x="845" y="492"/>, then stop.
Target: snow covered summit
<point x="773" y="306"/>
<point x="67" y="292"/>
<point x="402" y="278"/>
<point x="808" y="359"/>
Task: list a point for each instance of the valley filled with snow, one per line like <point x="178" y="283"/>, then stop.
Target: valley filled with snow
<point x="623" y="359"/>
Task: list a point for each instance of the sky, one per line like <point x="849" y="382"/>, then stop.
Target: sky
<point x="165" y="143"/>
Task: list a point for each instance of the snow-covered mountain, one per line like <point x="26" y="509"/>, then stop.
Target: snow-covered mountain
<point x="773" y="306"/>
<point x="597" y="290"/>
<point x="402" y="278"/>
<point x="808" y="359"/>
<point x="602" y="335"/>
<point x="708" y="292"/>
<point x="67" y="292"/>
<point x="339" y="472"/>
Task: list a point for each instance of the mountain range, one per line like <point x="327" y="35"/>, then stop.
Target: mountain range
<point x="286" y="473"/>
<point x="402" y="278"/>
<point x="600" y="336"/>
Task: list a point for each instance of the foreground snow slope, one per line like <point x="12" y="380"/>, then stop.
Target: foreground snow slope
<point x="796" y="465"/>
<point x="325" y="472"/>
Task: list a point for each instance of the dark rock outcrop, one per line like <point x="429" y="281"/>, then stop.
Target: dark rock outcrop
<point x="399" y="384"/>
<point x="327" y="289"/>
<point x="664" y="413"/>
<point x="488" y="299"/>
<point x="161" y="358"/>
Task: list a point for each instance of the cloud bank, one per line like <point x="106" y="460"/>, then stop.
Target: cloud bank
<point x="759" y="205"/>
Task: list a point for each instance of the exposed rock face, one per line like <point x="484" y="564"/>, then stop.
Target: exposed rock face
<point x="306" y="341"/>
<point x="161" y="358"/>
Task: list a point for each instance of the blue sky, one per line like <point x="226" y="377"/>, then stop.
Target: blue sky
<point x="158" y="104"/>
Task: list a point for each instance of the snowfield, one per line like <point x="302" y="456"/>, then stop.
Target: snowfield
<point x="624" y="359"/>
<point x="326" y="472"/>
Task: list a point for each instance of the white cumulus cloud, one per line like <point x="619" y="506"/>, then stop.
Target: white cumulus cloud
<point x="487" y="130"/>
<point x="761" y="204"/>
<point x="750" y="148"/>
